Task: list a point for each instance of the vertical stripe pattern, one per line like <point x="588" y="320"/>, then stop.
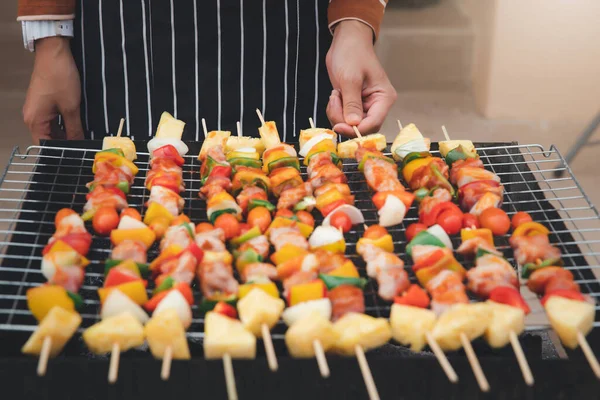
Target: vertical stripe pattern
<point x="197" y="107"/>
<point x="296" y="67"/>
<point x="241" y="62"/>
<point x="173" y="58"/>
<point x="219" y="64"/>
<point x="317" y="57"/>
<point x="285" y="74"/>
<point x="264" y="65"/>
<point x="125" y="78"/>
<point x="103" y="57"/>
<point x="83" y="73"/>
<point x="149" y="99"/>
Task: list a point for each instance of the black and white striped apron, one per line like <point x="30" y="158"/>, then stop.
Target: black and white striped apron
<point x="212" y="59"/>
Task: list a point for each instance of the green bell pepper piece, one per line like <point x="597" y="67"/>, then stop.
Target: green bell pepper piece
<point x="166" y="284"/>
<point x="443" y="181"/>
<point x="207" y="305"/>
<point x="116" y="151"/>
<point x="189" y="229"/>
<point x="424" y="238"/>
<point x="284" y="162"/>
<point x="530" y="267"/>
<point x="332" y="281"/>
<point x="361" y="165"/>
<point x="415" y="155"/>
<point x="213" y="216"/>
<point x="260" y="203"/>
<point x="307" y="203"/>
<point x="245" y="162"/>
<point x="123" y="186"/>
<point x="110" y="264"/>
<point x="249" y="234"/>
<point x="458" y="153"/>
<point x="247" y="257"/>
<point x="77" y="300"/>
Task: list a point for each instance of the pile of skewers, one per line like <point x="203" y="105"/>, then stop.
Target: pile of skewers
<point x="241" y="176"/>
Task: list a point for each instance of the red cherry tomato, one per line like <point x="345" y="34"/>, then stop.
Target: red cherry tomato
<point x="341" y="221"/>
<point x="375" y="232"/>
<point x="451" y="221"/>
<point x="261" y="217"/>
<point x="131" y="212"/>
<point x="496" y="220"/>
<point x="470" y="221"/>
<point x="413" y="229"/>
<point x="65" y="212"/>
<point x="204" y="227"/>
<point x="105" y="220"/>
<point x="229" y="224"/>
<point x="306" y="218"/>
<point x="225" y="309"/>
<point x="566" y="293"/>
<point x="520" y="218"/>
<point x="285" y="213"/>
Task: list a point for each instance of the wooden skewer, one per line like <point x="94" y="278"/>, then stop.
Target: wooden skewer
<point x="113" y="369"/>
<point x="356" y="131"/>
<point x="366" y="372"/>
<point x="522" y="360"/>
<point x="441" y="357"/>
<point x="239" y="129"/>
<point x="44" y="355"/>
<point x="321" y="360"/>
<point x="399" y="124"/>
<point x="165" y="371"/>
<point x="229" y="377"/>
<point x="260" y="116"/>
<point x="475" y="366"/>
<point x="445" y="133"/>
<point x="365" y="226"/>
<point x="271" y="357"/>
<point x="311" y="122"/>
<point x="120" y="127"/>
<point x="589" y="354"/>
<point x="204" y="128"/>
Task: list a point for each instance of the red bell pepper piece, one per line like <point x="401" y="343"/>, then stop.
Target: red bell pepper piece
<point x="430" y="218"/>
<point x="568" y="294"/>
<point x="220" y="170"/>
<point x="196" y="251"/>
<point x="415" y="296"/>
<point x="470" y="193"/>
<point x="330" y="207"/>
<point x="430" y="260"/>
<point x="510" y="296"/>
<point x="405" y="197"/>
<point x="110" y="189"/>
<point x="225" y="309"/>
<point x="165" y="181"/>
<point x="117" y="276"/>
<point x="151" y="304"/>
<point x="80" y="242"/>
<point x="170" y="152"/>
<point x="182" y="287"/>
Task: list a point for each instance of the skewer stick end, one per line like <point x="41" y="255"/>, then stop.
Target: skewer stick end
<point x="113" y="370"/>
<point x="589" y="354"/>
<point x="445" y="133"/>
<point x="321" y="360"/>
<point x="399" y="124"/>
<point x="521" y="359"/>
<point x="311" y="122"/>
<point x="229" y="377"/>
<point x="165" y="371"/>
<point x="269" y="350"/>
<point x="260" y="116"/>
<point x="120" y="131"/>
<point x="441" y="357"/>
<point x="239" y="129"/>
<point x="44" y="355"/>
<point x="204" y="128"/>
<point x="356" y="131"/>
<point x="475" y="366"/>
<point x="366" y="372"/>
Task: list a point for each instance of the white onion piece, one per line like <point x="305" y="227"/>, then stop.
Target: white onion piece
<point x="313" y="141"/>
<point x="297" y="312"/>
<point x="352" y="212"/>
<point x="177" y="302"/>
<point x="157" y="143"/>
<point x="127" y="222"/>
<point x="441" y="234"/>
<point x="416" y="145"/>
<point x="324" y="235"/>
<point x="392" y="213"/>
<point x="73" y="220"/>
<point x="246" y="150"/>
<point x="117" y="303"/>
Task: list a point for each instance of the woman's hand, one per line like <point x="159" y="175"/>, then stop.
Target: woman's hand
<point x="54" y="89"/>
<point x="362" y="94"/>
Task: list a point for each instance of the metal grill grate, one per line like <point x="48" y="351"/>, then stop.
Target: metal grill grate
<point x="39" y="182"/>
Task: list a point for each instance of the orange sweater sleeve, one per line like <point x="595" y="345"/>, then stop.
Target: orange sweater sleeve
<point x="32" y="10"/>
<point x="368" y="11"/>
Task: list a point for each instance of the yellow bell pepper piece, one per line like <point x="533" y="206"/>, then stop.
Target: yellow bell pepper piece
<point x="134" y="290"/>
<point x="145" y="235"/>
<point x="385" y="243"/>
<point x="60" y="246"/>
<point x="484" y="233"/>
<point x="115" y="160"/>
<point x="323" y="145"/>
<point x="272" y="156"/>
<point x="213" y="256"/>
<point x="335" y="247"/>
<point x="269" y="288"/>
<point x="347" y="270"/>
<point x="130" y="265"/>
<point x="155" y="211"/>
<point x="218" y="198"/>
<point x="243" y="154"/>
<point x="170" y="251"/>
<point x="280" y="222"/>
<point x="287" y="252"/>
<point x="328" y="197"/>
<point x="409" y="170"/>
<point x="306" y="292"/>
<point x="530" y="229"/>
<point x="42" y="299"/>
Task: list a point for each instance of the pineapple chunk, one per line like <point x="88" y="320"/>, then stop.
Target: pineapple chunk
<point x="213" y="138"/>
<point x="410" y="324"/>
<point x="568" y="317"/>
<point x="166" y="329"/>
<point x="59" y="324"/>
<point x="244" y="142"/>
<point x="258" y="308"/>
<point x="504" y="320"/>
<point x="123" y="143"/>
<point x="169" y="127"/>
<point x="307" y="134"/>
<point x="123" y="329"/>
<point x="470" y="319"/>
<point x="300" y="337"/>
<point x="409" y="139"/>
<point x="224" y="335"/>
<point x="360" y="329"/>
<point x="269" y="134"/>
<point x="348" y="148"/>
<point x="448" y="145"/>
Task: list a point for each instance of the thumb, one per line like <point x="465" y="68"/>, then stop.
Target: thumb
<point x="352" y="100"/>
<point x="73" y="124"/>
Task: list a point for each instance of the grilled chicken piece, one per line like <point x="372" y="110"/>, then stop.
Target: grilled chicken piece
<point x="101" y="197"/>
<point x="425" y="178"/>
<point x="528" y="249"/>
<point x="458" y="165"/>
<point x="392" y="282"/>
<point x="182" y="268"/>
<point x="130" y="250"/>
<point x="438" y="196"/>
<point x="209" y="242"/>
<point x="470" y="246"/>
<point x="259" y="244"/>
<point x="346" y="299"/>
<point x="217" y="277"/>
<point x="296" y="279"/>
<point x="491" y="272"/>
<point x="214" y="185"/>
<point x="290" y="197"/>
<point x="176" y="235"/>
<point x="540" y="278"/>
<point x="248" y="193"/>
<point x="259" y="271"/>
<point x="467" y="175"/>
<point x="327" y="173"/>
<point x="167" y="198"/>
<point x="382" y="175"/>
<point x="287" y="235"/>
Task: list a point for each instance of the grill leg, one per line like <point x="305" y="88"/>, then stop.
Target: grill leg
<point x="581" y="141"/>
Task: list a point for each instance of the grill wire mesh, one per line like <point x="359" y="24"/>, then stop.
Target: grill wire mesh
<point x="41" y="181"/>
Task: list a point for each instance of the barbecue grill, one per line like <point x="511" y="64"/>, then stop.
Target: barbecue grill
<point x="43" y="179"/>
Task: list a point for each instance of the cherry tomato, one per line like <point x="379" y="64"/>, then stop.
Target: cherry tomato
<point x="229" y="224"/>
<point x="520" y="218"/>
<point x="225" y="309"/>
<point x="451" y="221"/>
<point x="204" y="227"/>
<point x="159" y="226"/>
<point x="413" y="229"/>
<point x="341" y="221"/>
<point x="306" y="218"/>
<point x="261" y="217"/>
<point x="180" y="220"/>
<point x="284" y="212"/>
<point x="496" y="220"/>
<point x="131" y="212"/>
<point x="470" y="221"/>
<point x="244" y="227"/>
<point x="375" y="232"/>
<point x="105" y="220"/>
<point x="65" y="212"/>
